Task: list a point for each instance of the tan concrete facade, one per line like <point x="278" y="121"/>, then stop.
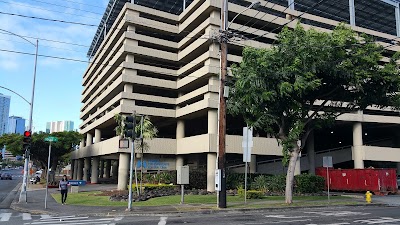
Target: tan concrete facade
<point x="166" y="66"/>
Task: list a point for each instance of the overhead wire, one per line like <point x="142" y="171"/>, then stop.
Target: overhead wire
<point x="63" y="6"/>
<point x="52" y="10"/>
<point x="47" y="19"/>
<point x="80" y="3"/>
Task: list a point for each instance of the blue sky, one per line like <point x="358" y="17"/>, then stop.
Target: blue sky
<point x="58" y="82"/>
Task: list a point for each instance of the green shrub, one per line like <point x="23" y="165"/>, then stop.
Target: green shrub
<point x="197" y="179"/>
<point x="308" y="183"/>
<point x="276" y="183"/>
<point x="250" y="194"/>
<point x="260" y="183"/>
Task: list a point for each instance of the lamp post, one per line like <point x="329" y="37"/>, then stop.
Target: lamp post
<point x="222" y="102"/>
<point x="23" y="194"/>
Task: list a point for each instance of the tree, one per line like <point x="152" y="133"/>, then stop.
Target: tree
<point x="145" y="131"/>
<point x="306" y="81"/>
<point x="66" y="143"/>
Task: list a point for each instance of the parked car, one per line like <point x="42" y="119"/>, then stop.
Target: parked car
<point x="6" y="176"/>
<point x="34" y="180"/>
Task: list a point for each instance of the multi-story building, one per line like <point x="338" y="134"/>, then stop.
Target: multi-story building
<point x="160" y="58"/>
<point x="4" y="112"/>
<point x="59" y="126"/>
<point x="16" y="125"/>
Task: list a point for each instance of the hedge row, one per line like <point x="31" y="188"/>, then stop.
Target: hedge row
<point x="304" y="183"/>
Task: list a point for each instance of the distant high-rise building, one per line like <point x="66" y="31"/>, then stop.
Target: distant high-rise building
<point x="59" y="126"/>
<point x="16" y="125"/>
<point x="4" y="112"/>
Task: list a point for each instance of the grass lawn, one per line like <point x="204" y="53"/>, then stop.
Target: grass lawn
<point x="90" y="199"/>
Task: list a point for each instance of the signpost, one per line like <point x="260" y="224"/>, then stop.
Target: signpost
<point x="49" y="139"/>
<point x="247" y="144"/>
<point x="327" y="162"/>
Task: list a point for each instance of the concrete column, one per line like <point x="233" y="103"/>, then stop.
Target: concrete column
<point x="123" y="171"/>
<point x="80" y="169"/>
<point x="128" y="88"/>
<point x="180" y="129"/>
<point x="75" y="173"/>
<point x="297" y="169"/>
<point x="179" y="161"/>
<point x="211" y="164"/>
<point x="311" y="153"/>
<point x="95" y="170"/>
<point x="101" y="168"/>
<point x="253" y="164"/>
<point x="71" y="172"/>
<point x="82" y="143"/>
<point x="212" y="121"/>
<point x="358" y="154"/>
<point x="97" y="135"/>
<point x="86" y="169"/>
<point x="107" y="169"/>
<point x="89" y="139"/>
<point x="114" y="170"/>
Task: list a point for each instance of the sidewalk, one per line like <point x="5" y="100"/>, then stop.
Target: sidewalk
<point x="36" y="195"/>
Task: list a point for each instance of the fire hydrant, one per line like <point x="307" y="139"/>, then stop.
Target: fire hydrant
<point x="368" y="197"/>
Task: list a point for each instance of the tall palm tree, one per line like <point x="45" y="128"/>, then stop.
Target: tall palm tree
<point x="147" y="131"/>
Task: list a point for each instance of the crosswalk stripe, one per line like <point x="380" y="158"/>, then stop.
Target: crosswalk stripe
<point x="163" y="220"/>
<point x="5" y="216"/>
<point x="26" y="216"/>
<point x="73" y="221"/>
<point x="64" y="218"/>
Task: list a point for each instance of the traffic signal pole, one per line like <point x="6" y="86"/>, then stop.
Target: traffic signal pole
<point x="23" y="193"/>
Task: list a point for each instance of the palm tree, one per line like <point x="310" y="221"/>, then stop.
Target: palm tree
<point x="147" y="131"/>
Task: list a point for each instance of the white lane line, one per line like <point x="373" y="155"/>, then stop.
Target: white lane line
<point x="5" y="216"/>
<point x="44" y="216"/>
<point x="90" y="221"/>
<point x="163" y="220"/>
<point x="288" y="217"/>
<point x="328" y="224"/>
<point x="64" y="218"/>
<point x="26" y="216"/>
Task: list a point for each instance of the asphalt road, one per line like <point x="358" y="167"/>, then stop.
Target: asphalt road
<point x="311" y="216"/>
<point x="7" y="192"/>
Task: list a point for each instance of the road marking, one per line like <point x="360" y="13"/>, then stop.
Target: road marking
<point x="338" y="213"/>
<point x="163" y="220"/>
<point x="328" y="224"/>
<point x="26" y="216"/>
<point x="381" y="220"/>
<point x="291" y="221"/>
<point x="61" y="220"/>
<point x="288" y="217"/>
<point x="5" y="216"/>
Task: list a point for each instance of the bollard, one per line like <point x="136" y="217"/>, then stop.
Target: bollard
<point x="368" y="197"/>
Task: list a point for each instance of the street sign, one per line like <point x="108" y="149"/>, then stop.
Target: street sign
<point x="51" y="139"/>
<point x="247" y="143"/>
<point x="327" y="161"/>
<point x="77" y="182"/>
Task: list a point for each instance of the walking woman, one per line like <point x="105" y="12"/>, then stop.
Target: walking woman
<point x="63" y="186"/>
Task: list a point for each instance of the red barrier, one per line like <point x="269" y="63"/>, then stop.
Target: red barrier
<point x="378" y="181"/>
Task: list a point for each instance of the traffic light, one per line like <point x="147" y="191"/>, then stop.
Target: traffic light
<point x="27" y="140"/>
<point x="129" y="126"/>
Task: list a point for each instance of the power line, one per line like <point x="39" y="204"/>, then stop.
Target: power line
<point x="103" y="64"/>
<point x="63" y="6"/>
<point x="34" y="7"/>
<point x="83" y="4"/>
<point x="53" y="20"/>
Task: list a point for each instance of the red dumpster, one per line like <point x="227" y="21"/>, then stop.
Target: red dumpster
<point x="378" y="181"/>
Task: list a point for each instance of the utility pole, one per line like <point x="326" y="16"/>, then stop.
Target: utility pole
<point x="222" y="105"/>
